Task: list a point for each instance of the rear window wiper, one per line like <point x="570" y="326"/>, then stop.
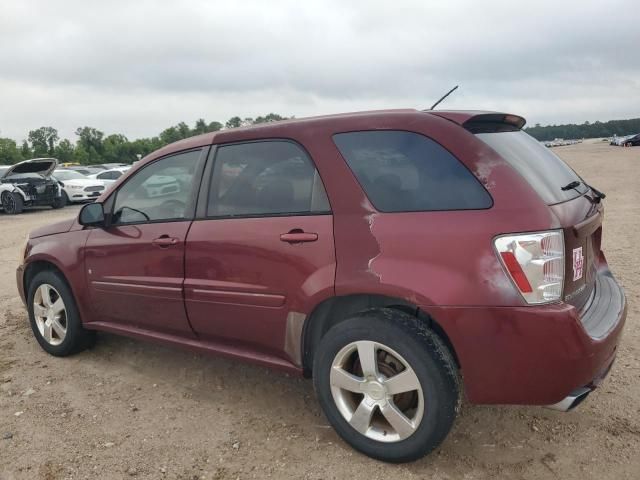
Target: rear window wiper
<point x="576" y="183"/>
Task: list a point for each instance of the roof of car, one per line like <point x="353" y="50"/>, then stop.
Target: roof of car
<point x="263" y="129"/>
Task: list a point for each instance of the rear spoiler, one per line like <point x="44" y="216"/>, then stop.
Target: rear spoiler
<point x="484" y="122"/>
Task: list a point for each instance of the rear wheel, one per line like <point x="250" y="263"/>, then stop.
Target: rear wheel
<point x="12" y="203"/>
<point x="387" y="384"/>
<point x="54" y="317"/>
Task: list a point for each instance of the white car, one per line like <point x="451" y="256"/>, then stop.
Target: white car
<point x="77" y="187"/>
<point x="110" y="176"/>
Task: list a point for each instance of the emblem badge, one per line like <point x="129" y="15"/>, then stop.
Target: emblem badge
<point x="578" y="263"/>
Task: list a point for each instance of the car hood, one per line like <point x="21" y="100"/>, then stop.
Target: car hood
<point x="83" y="182"/>
<point x="53" y="228"/>
<point x="41" y="166"/>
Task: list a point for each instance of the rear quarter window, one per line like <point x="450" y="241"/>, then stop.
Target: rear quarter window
<point x="539" y="166"/>
<point x="408" y="172"/>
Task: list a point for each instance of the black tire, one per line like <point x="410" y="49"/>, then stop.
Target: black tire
<point x="59" y="202"/>
<point x="12" y="203"/>
<point x="431" y="362"/>
<point x="65" y="198"/>
<point x="77" y="338"/>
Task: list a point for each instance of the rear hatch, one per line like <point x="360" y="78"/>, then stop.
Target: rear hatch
<point x="573" y="202"/>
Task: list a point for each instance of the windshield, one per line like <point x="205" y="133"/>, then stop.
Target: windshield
<point x="68" y="175"/>
<point x="540" y="167"/>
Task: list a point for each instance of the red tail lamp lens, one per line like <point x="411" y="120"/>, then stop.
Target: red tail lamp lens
<point x="515" y="270"/>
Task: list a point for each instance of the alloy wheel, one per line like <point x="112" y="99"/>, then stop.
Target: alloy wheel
<point x="50" y="314"/>
<point x="8" y="203"/>
<point x="376" y="391"/>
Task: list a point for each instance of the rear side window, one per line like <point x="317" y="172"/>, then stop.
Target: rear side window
<point x="267" y="178"/>
<point x="408" y="172"/>
<point x="539" y="166"/>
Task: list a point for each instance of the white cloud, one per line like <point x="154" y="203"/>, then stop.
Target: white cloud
<point x="138" y="67"/>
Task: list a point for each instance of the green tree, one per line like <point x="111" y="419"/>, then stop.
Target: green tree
<point x="170" y="135"/>
<point x="271" y="117"/>
<point x="233" y="122"/>
<point x="9" y="153"/>
<point x="90" y="139"/>
<point x="43" y="141"/>
<point x="214" y="126"/>
<point x="117" y="149"/>
<point x="80" y="155"/>
<point x="25" y="151"/>
<point x="64" y="151"/>
<point x="200" y="127"/>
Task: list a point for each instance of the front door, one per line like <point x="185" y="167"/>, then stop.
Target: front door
<point x="135" y="266"/>
<point x="263" y="254"/>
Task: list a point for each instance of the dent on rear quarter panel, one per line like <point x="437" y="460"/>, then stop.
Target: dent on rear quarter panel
<point x="430" y="258"/>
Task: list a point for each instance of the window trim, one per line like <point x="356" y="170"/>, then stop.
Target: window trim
<point x="110" y="202"/>
<point x="355" y="177"/>
<point x="207" y="181"/>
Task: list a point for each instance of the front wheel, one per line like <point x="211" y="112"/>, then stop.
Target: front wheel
<point x="387" y="384"/>
<point x="12" y="203"/>
<point x="54" y="316"/>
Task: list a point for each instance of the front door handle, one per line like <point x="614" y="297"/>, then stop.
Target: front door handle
<point x="298" y="237"/>
<point x="165" y="241"/>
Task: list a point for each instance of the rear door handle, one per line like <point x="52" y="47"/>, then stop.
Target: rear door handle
<point x="298" y="237"/>
<point x="165" y="241"/>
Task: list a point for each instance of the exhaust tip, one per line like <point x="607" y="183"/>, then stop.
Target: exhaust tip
<point x="572" y="400"/>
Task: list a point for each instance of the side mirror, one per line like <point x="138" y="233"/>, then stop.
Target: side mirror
<point x="92" y="215"/>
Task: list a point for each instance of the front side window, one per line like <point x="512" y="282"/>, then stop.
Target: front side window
<point x="265" y="178"/>
<point x="408" y="172"/>
<point x="161" y="191"/>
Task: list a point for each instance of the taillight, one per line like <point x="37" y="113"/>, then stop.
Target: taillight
<point x="535" y="263"/>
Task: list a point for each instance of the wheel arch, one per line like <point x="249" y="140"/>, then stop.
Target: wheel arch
<point x="335" y="310"/>
<point x="37" y="266"/>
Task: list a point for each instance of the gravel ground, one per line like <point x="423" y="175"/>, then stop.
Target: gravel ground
<point x="133" y="409"/>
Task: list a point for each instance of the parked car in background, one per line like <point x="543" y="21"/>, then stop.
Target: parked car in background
<point x="620" y="141"/>
<point x="396" y="257"/>
<point x="109" y="176"/>
<point x="86" y="170"/>
<point x="29" y="184"/>
<point x="632" y="141"/>
<point x="77" y="187"/>
<point x="108" y="166"/>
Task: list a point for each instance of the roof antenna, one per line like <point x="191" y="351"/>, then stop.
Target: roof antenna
<point x="443" y="97"/>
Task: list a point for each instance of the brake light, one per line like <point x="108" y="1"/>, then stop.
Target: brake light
<point x="535" y="263"/>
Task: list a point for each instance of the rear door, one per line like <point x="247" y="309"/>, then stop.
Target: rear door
<point x="574" y="204"/>
<point x="135" y="266"/>
<point x="261" y="253"/>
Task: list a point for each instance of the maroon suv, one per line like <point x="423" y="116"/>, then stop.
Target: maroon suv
<point x="395" y="256"/>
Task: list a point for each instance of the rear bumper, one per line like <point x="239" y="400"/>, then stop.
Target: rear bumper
<point x="536" y="355"/>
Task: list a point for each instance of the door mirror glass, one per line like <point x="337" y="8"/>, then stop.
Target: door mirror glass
<point x="92" y="214"/>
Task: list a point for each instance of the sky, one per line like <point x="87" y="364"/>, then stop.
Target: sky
<point x="138" y="66"/>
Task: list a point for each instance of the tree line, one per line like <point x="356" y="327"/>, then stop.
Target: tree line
<point x="585" y="130"/>
<point x="92" y="147"/>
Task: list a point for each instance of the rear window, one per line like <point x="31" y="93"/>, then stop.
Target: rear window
<point x="542" y="168"/>
<point x="408" y="172"/>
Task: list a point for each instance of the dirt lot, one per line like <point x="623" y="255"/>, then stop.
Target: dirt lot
<point x="133" y="409"/>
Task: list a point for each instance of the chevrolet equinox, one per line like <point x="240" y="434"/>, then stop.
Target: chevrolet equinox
<point x="400" y="258"/>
